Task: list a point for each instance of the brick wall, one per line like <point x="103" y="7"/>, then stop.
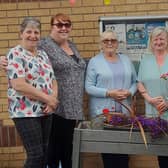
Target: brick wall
<point x="85" y="15"/>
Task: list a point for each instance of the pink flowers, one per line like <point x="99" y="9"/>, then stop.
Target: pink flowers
<point x="164" y="76"/>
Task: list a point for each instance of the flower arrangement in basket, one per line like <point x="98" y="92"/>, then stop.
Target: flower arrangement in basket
<point x="156" y="126"/>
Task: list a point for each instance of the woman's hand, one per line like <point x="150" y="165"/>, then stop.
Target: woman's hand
<point x="48" y="109"/>
<point x="52" y="101"/>
<point x="52" y="104"/>
<point x="162" y="107"/>
<point x="3" y="63"/>
<point x="119" y="94"/>
<point x="155" y="101"/>
<point x="159" y="103"/>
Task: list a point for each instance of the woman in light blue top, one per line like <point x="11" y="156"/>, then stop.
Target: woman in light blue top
<point x="151" y="85"/>
<point x="103" y="84"/>
<point x="110" y="78"/>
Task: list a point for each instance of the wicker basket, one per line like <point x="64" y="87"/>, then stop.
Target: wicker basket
<point x="118" y="120"/>
<point x="114" y="120"/>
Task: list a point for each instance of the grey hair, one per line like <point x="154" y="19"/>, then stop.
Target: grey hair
<point x="30" y="22"/>
<point x="156" y="31"/>
<point x="107" y="32"/>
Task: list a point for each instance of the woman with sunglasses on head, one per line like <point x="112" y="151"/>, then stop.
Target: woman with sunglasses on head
<point x="32" y="93"/>
<point x="69" y="68"/>
<point x="110" y="78"/>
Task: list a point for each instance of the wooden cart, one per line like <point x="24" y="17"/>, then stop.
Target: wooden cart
<point x="115" y="141"/>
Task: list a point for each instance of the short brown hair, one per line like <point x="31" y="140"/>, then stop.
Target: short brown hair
<point x="60" y="17"/>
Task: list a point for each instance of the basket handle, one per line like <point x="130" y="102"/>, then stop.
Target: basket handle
<point x="131" y="109"/>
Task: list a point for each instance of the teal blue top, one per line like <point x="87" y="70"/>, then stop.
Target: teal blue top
<point x="149" y="74"/>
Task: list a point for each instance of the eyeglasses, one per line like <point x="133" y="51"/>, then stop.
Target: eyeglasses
<point x="60" y="25"/>
<point x="107" y="41"/>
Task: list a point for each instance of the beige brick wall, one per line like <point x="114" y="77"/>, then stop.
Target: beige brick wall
<point x="85" y="15"/>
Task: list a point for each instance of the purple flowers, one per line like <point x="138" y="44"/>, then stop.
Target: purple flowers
<point x="156" y="126"/>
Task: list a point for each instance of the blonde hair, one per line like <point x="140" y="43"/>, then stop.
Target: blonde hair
<point x="156" y="31"/>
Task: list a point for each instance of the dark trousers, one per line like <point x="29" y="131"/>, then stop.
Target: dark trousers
<point x="163" y="161"/>
<point x="115" y="160"/>
<point x="60" y="143"/>
<point x="34" y="133"/>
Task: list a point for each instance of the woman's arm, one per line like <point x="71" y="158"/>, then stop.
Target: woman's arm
<point x="91" y="81"/>
<point x="144" y="92"/>
<point x="133" y="87"/>
<point x="3" y="63"/>
<point x="48" y="108"/>
<point x="20" y="85"/>
<point x="158" y="102"/>
<point x="55" y="89"/>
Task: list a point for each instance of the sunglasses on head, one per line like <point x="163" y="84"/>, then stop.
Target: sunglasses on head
<point x="60" y="25"/>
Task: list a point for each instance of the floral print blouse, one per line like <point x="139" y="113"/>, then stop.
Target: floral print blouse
<point x="37" y="71"/>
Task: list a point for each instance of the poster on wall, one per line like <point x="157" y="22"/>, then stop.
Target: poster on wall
<point x="133" y="32"/>
<point x="136" y="36"/>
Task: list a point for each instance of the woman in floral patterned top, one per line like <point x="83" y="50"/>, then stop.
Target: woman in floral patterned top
<point x="32" y="92"/>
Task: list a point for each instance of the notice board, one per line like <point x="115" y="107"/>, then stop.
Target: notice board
<point x="133" y="32"/>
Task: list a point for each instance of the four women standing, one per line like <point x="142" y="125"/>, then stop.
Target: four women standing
<point x="33" y="89"/>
